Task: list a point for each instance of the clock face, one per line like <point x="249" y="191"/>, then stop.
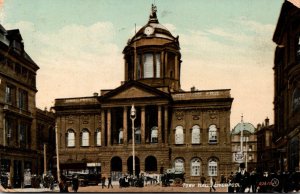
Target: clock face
<point x="149" y="30"/>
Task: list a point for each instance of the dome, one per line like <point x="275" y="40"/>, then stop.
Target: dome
<point x="243" y="126"/>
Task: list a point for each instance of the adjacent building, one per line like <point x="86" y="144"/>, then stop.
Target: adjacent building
<point x="185" y="130"/>
<point x="286" y="132"/>
<point x="22" y="125"/>
<point x="267" y="155"/>
<point x="244" y="146"/>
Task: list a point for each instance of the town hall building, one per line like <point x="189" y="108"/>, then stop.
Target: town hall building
<point x="185" y="130"/>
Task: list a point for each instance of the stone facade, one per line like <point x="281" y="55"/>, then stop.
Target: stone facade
<point x="19" y="116"/>
<point x="286" y="133"/>
<point x="185" y="130"/>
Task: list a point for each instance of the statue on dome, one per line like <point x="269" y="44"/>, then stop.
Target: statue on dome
<point x="153" y="11"/>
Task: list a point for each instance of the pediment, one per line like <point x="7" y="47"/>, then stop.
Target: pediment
<point x="133" y="89"/>
<point x="133" y="92"/>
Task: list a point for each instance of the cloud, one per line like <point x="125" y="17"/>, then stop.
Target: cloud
<point x="239" y="58"/>
<point x="74" y="61"/>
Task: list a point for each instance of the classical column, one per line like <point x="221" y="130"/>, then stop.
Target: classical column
<point x="176" y="73"/>
<point x="166" y="121"/>
<point x="108" y="127"/>
<point x="102" y="127"/>
<point x="125" y="125"/>
<point x="162" y="65"/>
<point x="159" y="124"/>
<point x="143" y="124"/>
<point x="4" y="131"/>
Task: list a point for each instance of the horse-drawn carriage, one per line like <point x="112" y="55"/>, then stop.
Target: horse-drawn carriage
<point x="173" y="177"/>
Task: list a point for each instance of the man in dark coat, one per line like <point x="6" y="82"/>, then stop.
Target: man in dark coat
<point x="75" y="183"/>
<point x="109" y="182"/>
<point x="103" y="182"/>
<point x="242" y="178"/>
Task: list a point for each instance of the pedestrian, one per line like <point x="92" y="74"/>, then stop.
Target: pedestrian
<point x="63" y="186"/>
<point x="212" y="184"/>
<point x="202" y="179"/>
<point x="230" y="182"/>
<point x="103" y="182"/>
<point x="109" y="182"/>
<point x="253" y="180"/>
<point x="75" y="183"/>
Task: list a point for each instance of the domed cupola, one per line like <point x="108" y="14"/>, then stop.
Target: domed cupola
<point x="152" y="56"/>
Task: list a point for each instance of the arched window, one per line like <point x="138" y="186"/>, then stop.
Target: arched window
<point x="120" y="136"/>
<point x="195" y="167"/>
<point x="212" y="167"/>
<point x="212" y="134"/>
<point x="195" y="134"/>
<point x="179" y="138"/>
<point x="98" y="137"/>
<point x="179" y="165"/>
<point x="85" y="137"/>
<point x="70" y="138"/>
<point x="154" y="134"/>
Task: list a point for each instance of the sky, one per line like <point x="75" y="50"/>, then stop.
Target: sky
<point x="225" y="44"/>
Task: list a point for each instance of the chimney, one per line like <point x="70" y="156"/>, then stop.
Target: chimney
<point x="193" y="89"/>
<point x="258" y="127"/>
<point x="95" y="94"/>
<point x="267" y="121"/>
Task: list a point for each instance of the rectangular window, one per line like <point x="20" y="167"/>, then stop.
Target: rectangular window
<point x="157" y="64"/>
<point x="139" y="68"/>
<point x="9" y="125"/>
<point x="213" y="137"/>
<point x="212" y="170"/>
<point x="23" y="134"/>
<point x="10" y="95"/>
<point x="71" y="140"/>
<point x="98" y="138"/>
<point x="23" y="99"/>
<point x="148" y="65"/>
<point x="85" y="139"/>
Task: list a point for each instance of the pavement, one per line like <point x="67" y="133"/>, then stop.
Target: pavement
<point x="189" y="188"/>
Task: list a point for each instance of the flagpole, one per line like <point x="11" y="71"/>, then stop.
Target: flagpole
<point x="134" y="58"/>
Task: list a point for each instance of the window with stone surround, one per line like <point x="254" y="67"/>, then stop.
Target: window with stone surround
<point x="120" y="141"/>
<point x="154" y="135"/>
<point x="179" y="137"/>
<point x="195" y="167"/>
<point x="70" y="138"/>
<point x="212" y="167"/>
<point x="212" y="134"/>
<point x="179" y="165"/>
<point x="10" y="95"/>
<point x="85" y="137"/>
<point x="23" y="99"/>
<point x="98" y="137"/>
<point x="148" y="65"/>
<point x="195" y="134"/>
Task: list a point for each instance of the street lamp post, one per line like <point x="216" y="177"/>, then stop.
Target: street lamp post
<point x="57" y="154"/>
<point x="132" y="117"/>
